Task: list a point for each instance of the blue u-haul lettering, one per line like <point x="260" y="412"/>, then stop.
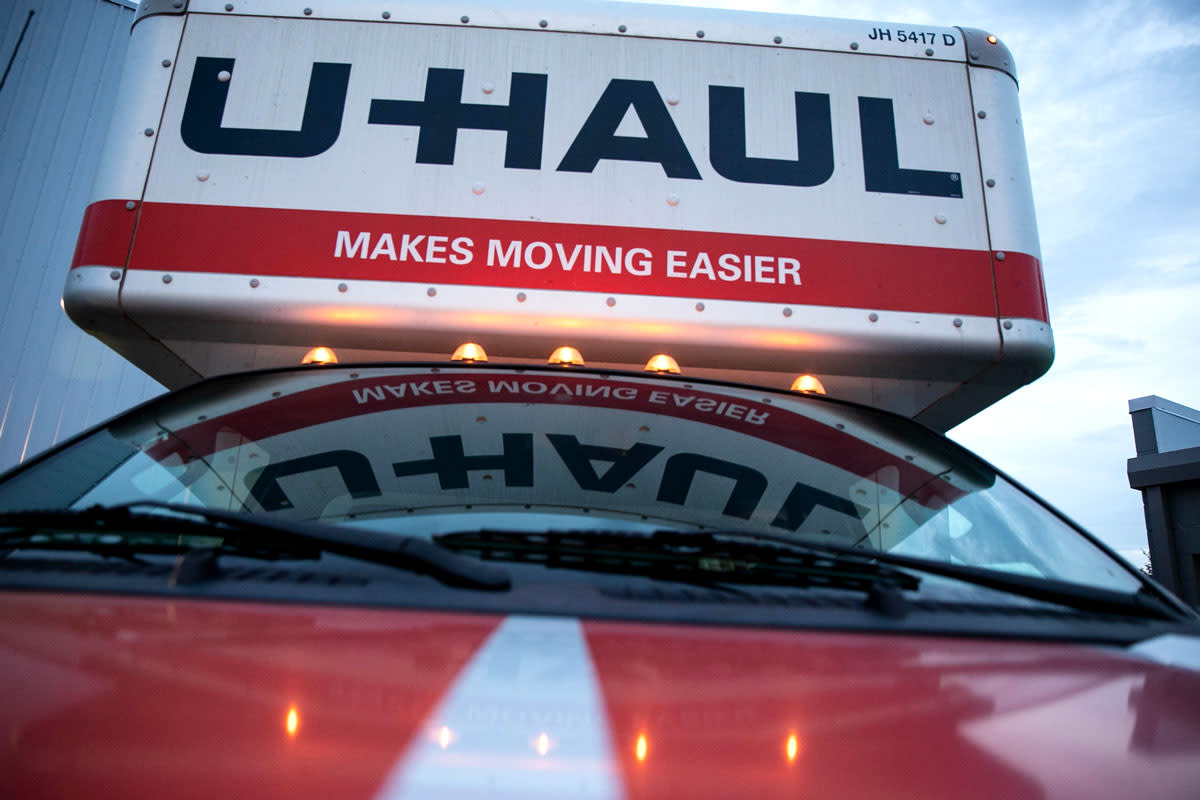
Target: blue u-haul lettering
<point x="452" y="467"/>
<point x="442" y="113"/>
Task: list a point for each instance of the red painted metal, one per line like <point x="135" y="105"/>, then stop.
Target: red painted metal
<point x="107" y="696"/>
<point x="274" y="241"/>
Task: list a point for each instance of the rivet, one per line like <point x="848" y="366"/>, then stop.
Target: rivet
<point x="177" y="4"/>
<point x="166" y="279"/>
<point x="610" y="302"/>
<point x="940" y="219"/>
<point x="787" y="312"/>
<point x="115" y="274"/>
<point x="342" y="287"/>
<point x="981" y="114"/>
<point x="478" y="188"/>
<point x="928" y="51"/>
<point x="229" y="6"/>
<point x="672" y="100"/>
<point x="699" y="306"/>
<point x="778" y="40"/>
<point x="386" y="15"/>
<point x="130" y="205"/>
<point x="542" y="23"/>
<point x="464" y="19"/>
<point x="166" y="62"/>
<point x="873" y="317"/>
<point x="621" y="28"/>
<point x="431" y="292"/>
<point x="1000" y="256"/>
<point x="974" y="56"/>
<point x="254" y="283"/>
<point x="149" y="131"/>
<point x="699" y="34"/>
<point x="223" y="76"/>
<point x="521" y="297"/>
<point x="488" y="88"/>
<point x="672" y="199"/>
<point x="854" y="45"/>
<point x="957" y="322"/>
<point x="202" y="175"/>
<point x="990" y="182"/>
<point x="954" y="177"/>
<point x="927" y="119"/>
<point x="308" y="12"/>
<point x="1008" y="324"/>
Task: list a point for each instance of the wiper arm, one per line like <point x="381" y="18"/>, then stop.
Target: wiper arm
<point x="1051" y="590"/>
<point x="686" y="557"/>
<point x="247" y="531"/>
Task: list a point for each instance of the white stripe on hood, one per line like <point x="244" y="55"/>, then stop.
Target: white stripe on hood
<point x="525" y="718"/>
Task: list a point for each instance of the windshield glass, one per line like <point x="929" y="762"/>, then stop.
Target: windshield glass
<point x="437" y="450"/>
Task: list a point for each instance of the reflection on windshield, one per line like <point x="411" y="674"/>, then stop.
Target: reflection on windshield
<point x="429" y="451"/>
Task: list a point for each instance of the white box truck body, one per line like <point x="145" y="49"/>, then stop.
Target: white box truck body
<point x="758" y="196"/>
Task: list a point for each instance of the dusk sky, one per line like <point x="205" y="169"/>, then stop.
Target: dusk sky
<point x="1110" y="94"/>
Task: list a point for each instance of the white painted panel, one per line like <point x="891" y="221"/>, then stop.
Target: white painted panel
<point x="373" y="168"/>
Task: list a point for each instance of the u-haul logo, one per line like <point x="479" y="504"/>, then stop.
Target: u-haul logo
<point x="441" y="114"/>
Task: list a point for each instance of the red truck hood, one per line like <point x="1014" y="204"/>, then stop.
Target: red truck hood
<point x="120" y="697"/>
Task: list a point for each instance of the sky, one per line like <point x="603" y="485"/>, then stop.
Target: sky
<point x="1110" y="96"/>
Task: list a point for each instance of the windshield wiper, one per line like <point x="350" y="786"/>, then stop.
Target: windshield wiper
<point x="693" y="557"/>
<point x="1081" y="597"/>
<point x="241" y="533"/>
<point x="772" y="559"/>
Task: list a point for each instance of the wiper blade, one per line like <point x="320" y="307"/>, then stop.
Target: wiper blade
<point x="697" y="557"/>
<point x="246" y="531"/>
<point x="1051" y="590"/>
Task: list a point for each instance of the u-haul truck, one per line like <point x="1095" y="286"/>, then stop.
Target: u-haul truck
<point x="412" y="575"/>
<point x="757" y="196"/>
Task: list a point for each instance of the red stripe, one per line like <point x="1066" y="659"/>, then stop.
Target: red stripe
<point x="1020" y="292"/>
<point x="301" y="243"/>
<point x="105" y="235"/>
<point x="336" y="401"/>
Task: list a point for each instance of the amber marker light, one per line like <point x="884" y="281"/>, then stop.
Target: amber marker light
<point x="641" y="747"/>
<point x="291" y="723"/>
<point x="470" y="353"/>
<point x="319" y="355"/>
<point x="566" y="357"/>
<point x="992" y="38"/>
<point x="542" y="745"/>
<point x="808" y="384"/>
<point x="791" y="747"/>
<point x="663" y="364"/>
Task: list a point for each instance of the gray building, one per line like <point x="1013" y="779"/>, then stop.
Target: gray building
<point x="1167" y="472"/>
<point x="61" y="62"/>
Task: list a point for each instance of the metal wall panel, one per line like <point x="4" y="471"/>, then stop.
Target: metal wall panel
<point x="63" y="65"/>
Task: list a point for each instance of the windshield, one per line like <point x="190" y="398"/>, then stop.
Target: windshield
<point x="428" y="451"/>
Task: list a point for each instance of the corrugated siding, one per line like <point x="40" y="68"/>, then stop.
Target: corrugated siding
<point x="55" y="103"/>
